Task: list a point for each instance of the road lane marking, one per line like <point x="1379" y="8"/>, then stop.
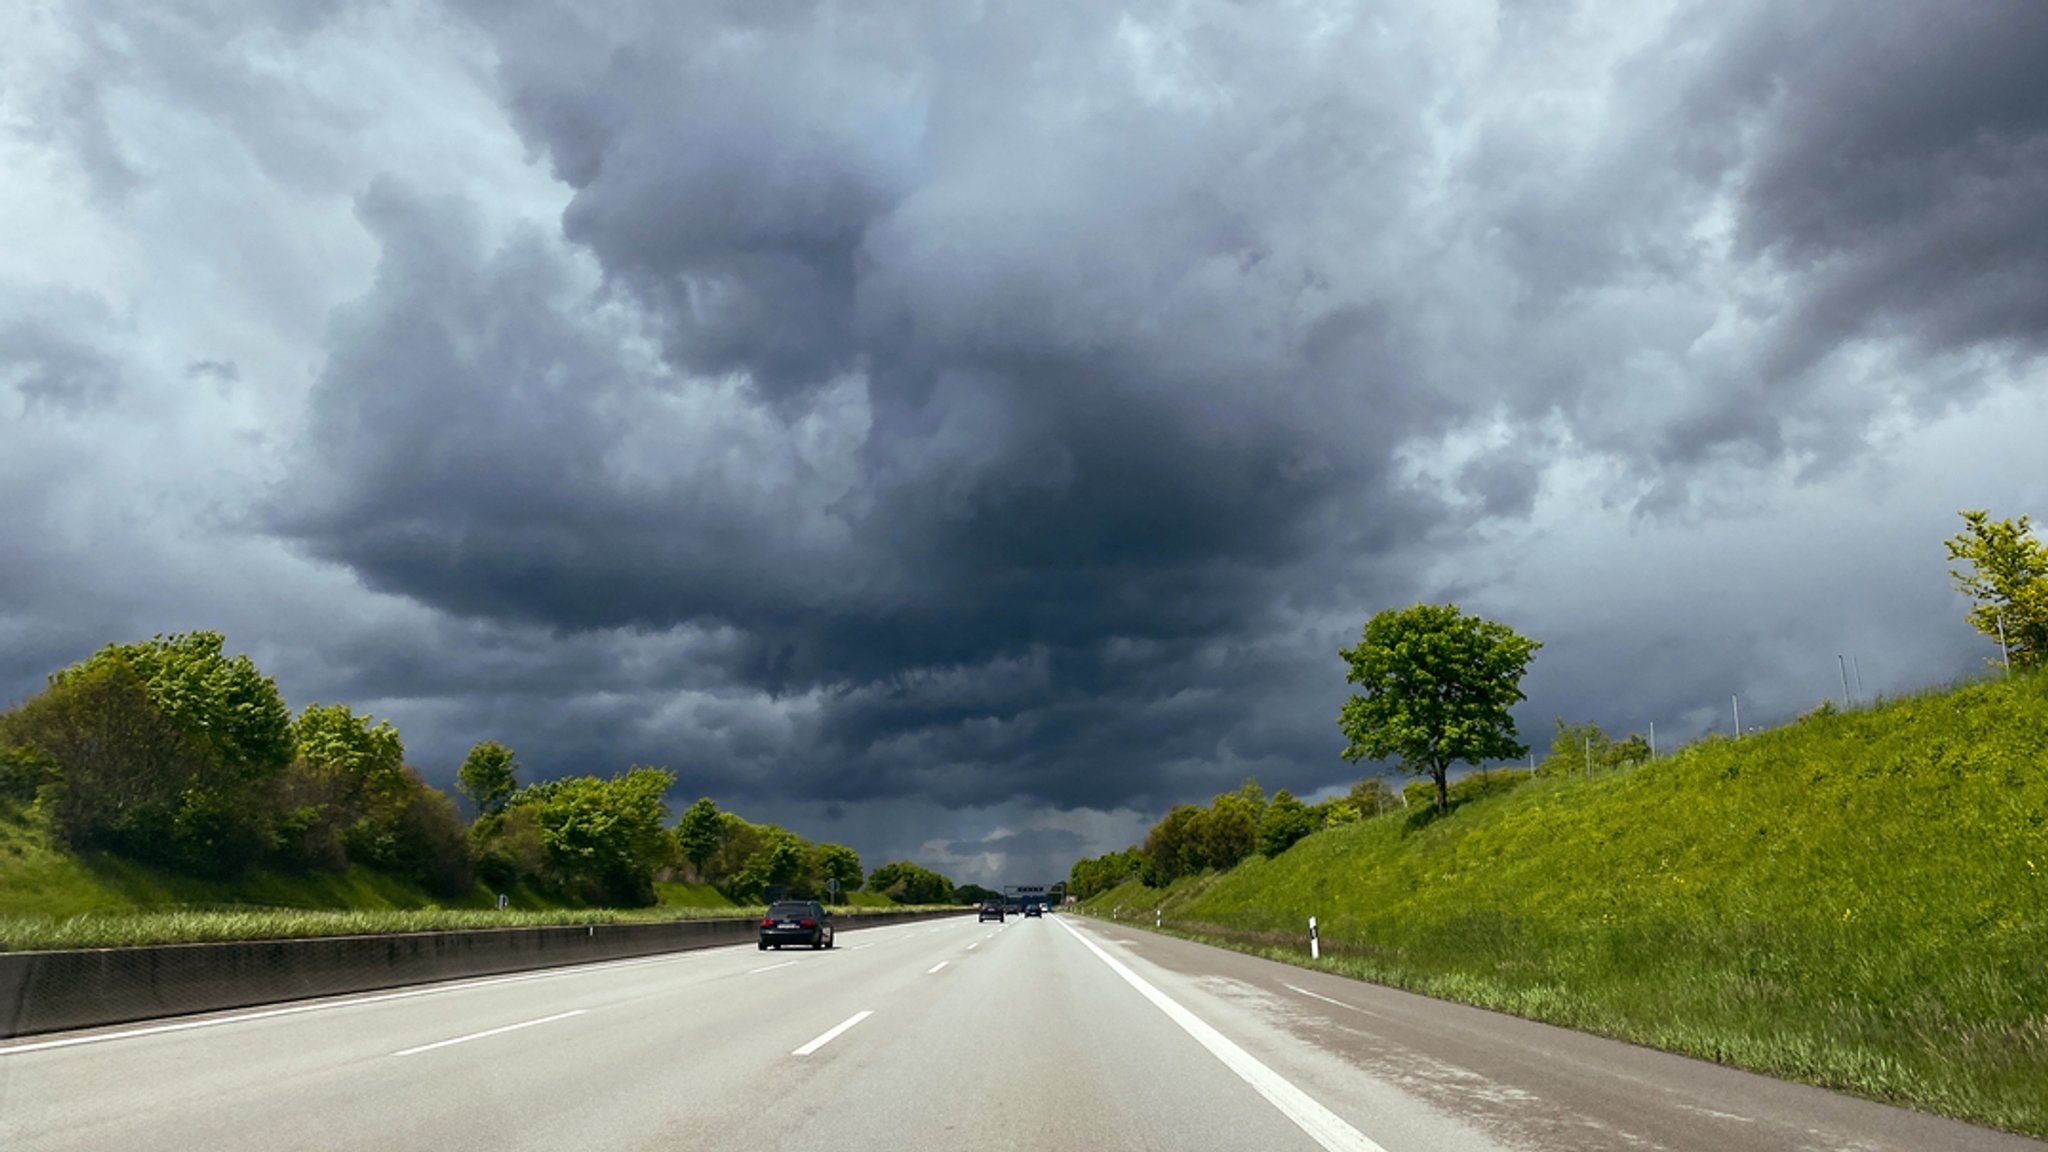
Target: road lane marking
<point x="1338" y="1003"/>
<point x="491" y="1032"/>
<point x="773" y="967"/>
<point x="973" y="946"/>
<point x="351" y="1002"/>
<point x="834" y="1034"/>
<point x="858" y="947"/>
<point x="1322" y="1125"/>
<point x="936" y="967"/>
<point x="435" y="989"/>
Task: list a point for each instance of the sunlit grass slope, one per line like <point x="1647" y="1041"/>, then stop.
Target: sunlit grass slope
<point x="52" y="898"/>
<point x="1855" y="900"/>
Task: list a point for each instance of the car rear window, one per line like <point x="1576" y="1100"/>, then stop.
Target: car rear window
<point x="787" y="911"/>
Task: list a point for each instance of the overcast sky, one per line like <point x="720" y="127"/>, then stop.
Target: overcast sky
<point x="964" y="430"/>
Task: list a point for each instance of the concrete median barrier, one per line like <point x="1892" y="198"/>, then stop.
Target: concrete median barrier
<point x="88" y="988"/>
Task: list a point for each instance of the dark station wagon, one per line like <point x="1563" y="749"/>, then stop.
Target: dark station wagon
<point x="796" y="922"/>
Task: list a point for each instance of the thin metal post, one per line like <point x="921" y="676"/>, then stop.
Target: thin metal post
<point x="1589" y="756"/>
<point x="2004" y="653"/>
<point x="1736" y="701"/>
<point x="1844" y="666"/>
<point x="1857" y="664"/>
<point x="1653" y="739"/>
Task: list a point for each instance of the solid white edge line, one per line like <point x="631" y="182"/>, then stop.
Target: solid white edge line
<point x="934" y="968"/>
<point x="491" y="1032"/>
<point x="1322" y="1125"/>
<point x="772" y="967"/>
<point x="834" y="1034"/>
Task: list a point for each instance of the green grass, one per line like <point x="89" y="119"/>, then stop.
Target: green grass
<point x="1858" y="901"/>
<point x="51" y="898"/>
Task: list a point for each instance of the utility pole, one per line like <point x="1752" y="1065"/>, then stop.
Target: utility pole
<point x="1589" y="757"/>
<point x="1653" y="739"/>
<point x="1735" y="701"/>
<point x="1856" y="662"/>
<point x="1844" y="666"/>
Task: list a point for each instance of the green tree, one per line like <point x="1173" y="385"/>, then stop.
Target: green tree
<point x="1231" y="831"/>
<point x="907" y="883"/>
<point x="699" y="833"/>
<point x="2007" y="583"/>
<point x="225" y="703"/>
<point x="488" y="777"/>
<point x="603" y="839"/>
<point x="1286" y="820"/>
<point x="369" y="784"/>
<point x="1575" y="747"/>
<point x="1437" y="688"/>
<point x="1175" y="846"/>
<point x="1371" y="796"/>
<point x="109" y="765"/>
<point x="838" y="862"/>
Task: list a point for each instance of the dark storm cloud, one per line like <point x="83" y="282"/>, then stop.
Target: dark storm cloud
<point x="1078" y="412"/>
<point x="995" y="403"/>
<point x="1904" y="168"/>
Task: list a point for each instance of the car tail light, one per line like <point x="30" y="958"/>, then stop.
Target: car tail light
<point x="768" y="923"/>
<point x="808" y="922"/>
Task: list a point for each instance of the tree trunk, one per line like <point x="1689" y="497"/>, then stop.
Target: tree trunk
<point x="1443" y="791"/>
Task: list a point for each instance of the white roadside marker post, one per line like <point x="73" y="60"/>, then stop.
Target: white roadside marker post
<point x="1158" y="919"/>
<point x="1315" y="946"/>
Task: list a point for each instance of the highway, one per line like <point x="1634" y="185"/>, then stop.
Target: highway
<point x="1040" y="1034"/>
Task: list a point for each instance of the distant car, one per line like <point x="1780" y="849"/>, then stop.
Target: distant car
<point x="991" y="910"/>
<point x="1034" y="909"/>
<point x="796" y="922"/>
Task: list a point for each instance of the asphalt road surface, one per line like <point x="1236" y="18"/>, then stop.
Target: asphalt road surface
<point x="1041" y="1034"/>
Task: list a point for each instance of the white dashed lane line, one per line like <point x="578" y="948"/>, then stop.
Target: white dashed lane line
<point x="934" y="968"/>
<point x="834" y="1034"/>
<point x="491" y="1032"/>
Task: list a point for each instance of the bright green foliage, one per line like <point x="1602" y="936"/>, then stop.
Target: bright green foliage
<point x="349" y="797"/>
<point x="488" y="777"/>
<point x="1096" y="875"/>
<point x="1285" y="821"/>
<point x="745" y="860"/>
<point x="110" y="768"/>
<point x="1371" y="797"/>
<point x="2007" y="582"/>
<point x="699" y="833"/>
<point x="1231" y="831"/>
<point x="1858" y="900"/>
<point x="837" y="862"/>
<point x="1437" y="688"/>
<point x="1175" y="846"/>
<point x="908" y="883"/>
<point x="1579" y="748"/>
<point x="602" y="839"/>
<point x="334" y="740"/>
<point x="225" y="703"/>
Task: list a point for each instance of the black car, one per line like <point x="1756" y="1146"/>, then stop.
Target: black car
<point x="796" y="922"/>
<point x="991" y="910"/>
<point x="1034" y="909"/>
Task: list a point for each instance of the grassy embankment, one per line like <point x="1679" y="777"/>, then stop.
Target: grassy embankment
<point x="1858" y="901"/>
<point x="51" y="898"/>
